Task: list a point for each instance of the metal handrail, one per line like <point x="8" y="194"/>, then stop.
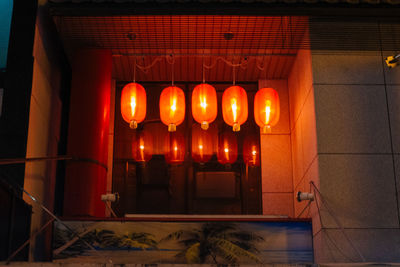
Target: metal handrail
<point x="35" y="200"/>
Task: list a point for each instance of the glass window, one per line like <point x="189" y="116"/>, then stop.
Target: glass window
<point x="190" y="171"/>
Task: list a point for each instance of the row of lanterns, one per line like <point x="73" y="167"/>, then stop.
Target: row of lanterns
<point x="202" y="149"/>
<point x="204" y="106"/>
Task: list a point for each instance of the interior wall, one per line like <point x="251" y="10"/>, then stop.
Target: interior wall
<point x="43" y="138"/>
<point x="276" y="165"/>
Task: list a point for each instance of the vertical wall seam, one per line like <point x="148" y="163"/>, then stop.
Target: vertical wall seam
<point x="291" y="146"/>
<point x="389" y="124"/>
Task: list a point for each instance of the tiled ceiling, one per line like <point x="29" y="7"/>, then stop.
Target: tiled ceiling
<point x="258" y="47"/>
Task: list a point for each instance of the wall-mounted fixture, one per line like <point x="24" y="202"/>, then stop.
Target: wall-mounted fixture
<point x="392" y="61"/>
<point x="304" y="196"/>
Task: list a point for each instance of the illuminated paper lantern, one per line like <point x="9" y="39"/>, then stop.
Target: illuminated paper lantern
<point x="251" y="151"/>
<point x="202" y="147"/>
<point x="133" y="104"/>
<point x="174" y="148"/>
<point x="235" y="107"/>
<point x="227" y="148"/>
<point x="172" y="107"/>
<point x="266" y="109"/>
<point x="204" y="104"/>
<point x="142" y="146"/>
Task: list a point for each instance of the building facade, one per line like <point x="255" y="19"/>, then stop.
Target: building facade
<point x="336" y="138"/>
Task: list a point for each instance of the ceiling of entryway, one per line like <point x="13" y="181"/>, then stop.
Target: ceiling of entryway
<point x="259" y="47"/>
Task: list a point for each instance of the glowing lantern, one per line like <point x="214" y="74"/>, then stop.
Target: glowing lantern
<point x="204" y="104"/>
<point x="202" y="148"/>
<point x="174" y="148"/>
<point x="172" y="107"/>
<point x="266" y="109"/>
<point x="227" y="148"/>
<point x="251" y="151"/>
<point x="133" y="104"/>
<point x="142" y="147"/>
<point x="234" y="107"/>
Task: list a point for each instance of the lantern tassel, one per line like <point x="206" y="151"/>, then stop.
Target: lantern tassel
<point x="171" y="127"/>
<point x="236" y="127"/>
<point x="204" y="125"/>
<point x="266" y="129"/>
<point x="133" y="124"/>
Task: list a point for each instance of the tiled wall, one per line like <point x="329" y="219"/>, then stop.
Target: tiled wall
<point x="303" y="128"/>
<point x="43" y="137"/>
<point x="357" y="101"/>
<point x="276" y="168"/>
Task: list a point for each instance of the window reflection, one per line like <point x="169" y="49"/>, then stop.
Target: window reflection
<point x="191" y="170"/>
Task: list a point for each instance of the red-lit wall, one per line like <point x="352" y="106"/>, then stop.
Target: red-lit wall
<point x="88" y="133"/>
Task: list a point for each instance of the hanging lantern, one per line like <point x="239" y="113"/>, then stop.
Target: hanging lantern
<point x="251" y="151"/>
<point x="174" y="148"/>
<point x="202" y="148"/>
<point x="142" y="146"/>
<point x="133" y="104"/>
<point x="234" y="107"/>
<point x="204" y="104"/>
<point x="266" y="109"/>
<point x="227" y="148"/>
<point x="172" y="107"/>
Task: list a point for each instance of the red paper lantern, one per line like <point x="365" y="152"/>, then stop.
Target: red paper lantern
<point x="266" y="109"/>
<point x="174" y="148"/>
<point x="204" y="104"/>
<point x="251" y="151"/>
<point x="202" y="148"/>
<point x="234" y="107"/>
<point x="142" y="147"/>
<point x="172" y="107"/>
<point x="133" y="104"/>
<point x="227" y="148"/>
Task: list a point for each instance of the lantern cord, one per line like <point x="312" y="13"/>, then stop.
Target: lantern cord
<point x="172" y="70"/>
<point x="171" y="60"/>
<point x="145" y="69"/>
<point x="204" y="79"/>
<point x="134" y="71"/>
<point x="259" y="65"/>
<point x="233" y="74"/>
<point x="212" y="65"/>
<point x="130" y="68"/>
<point x="227" y="62"/>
